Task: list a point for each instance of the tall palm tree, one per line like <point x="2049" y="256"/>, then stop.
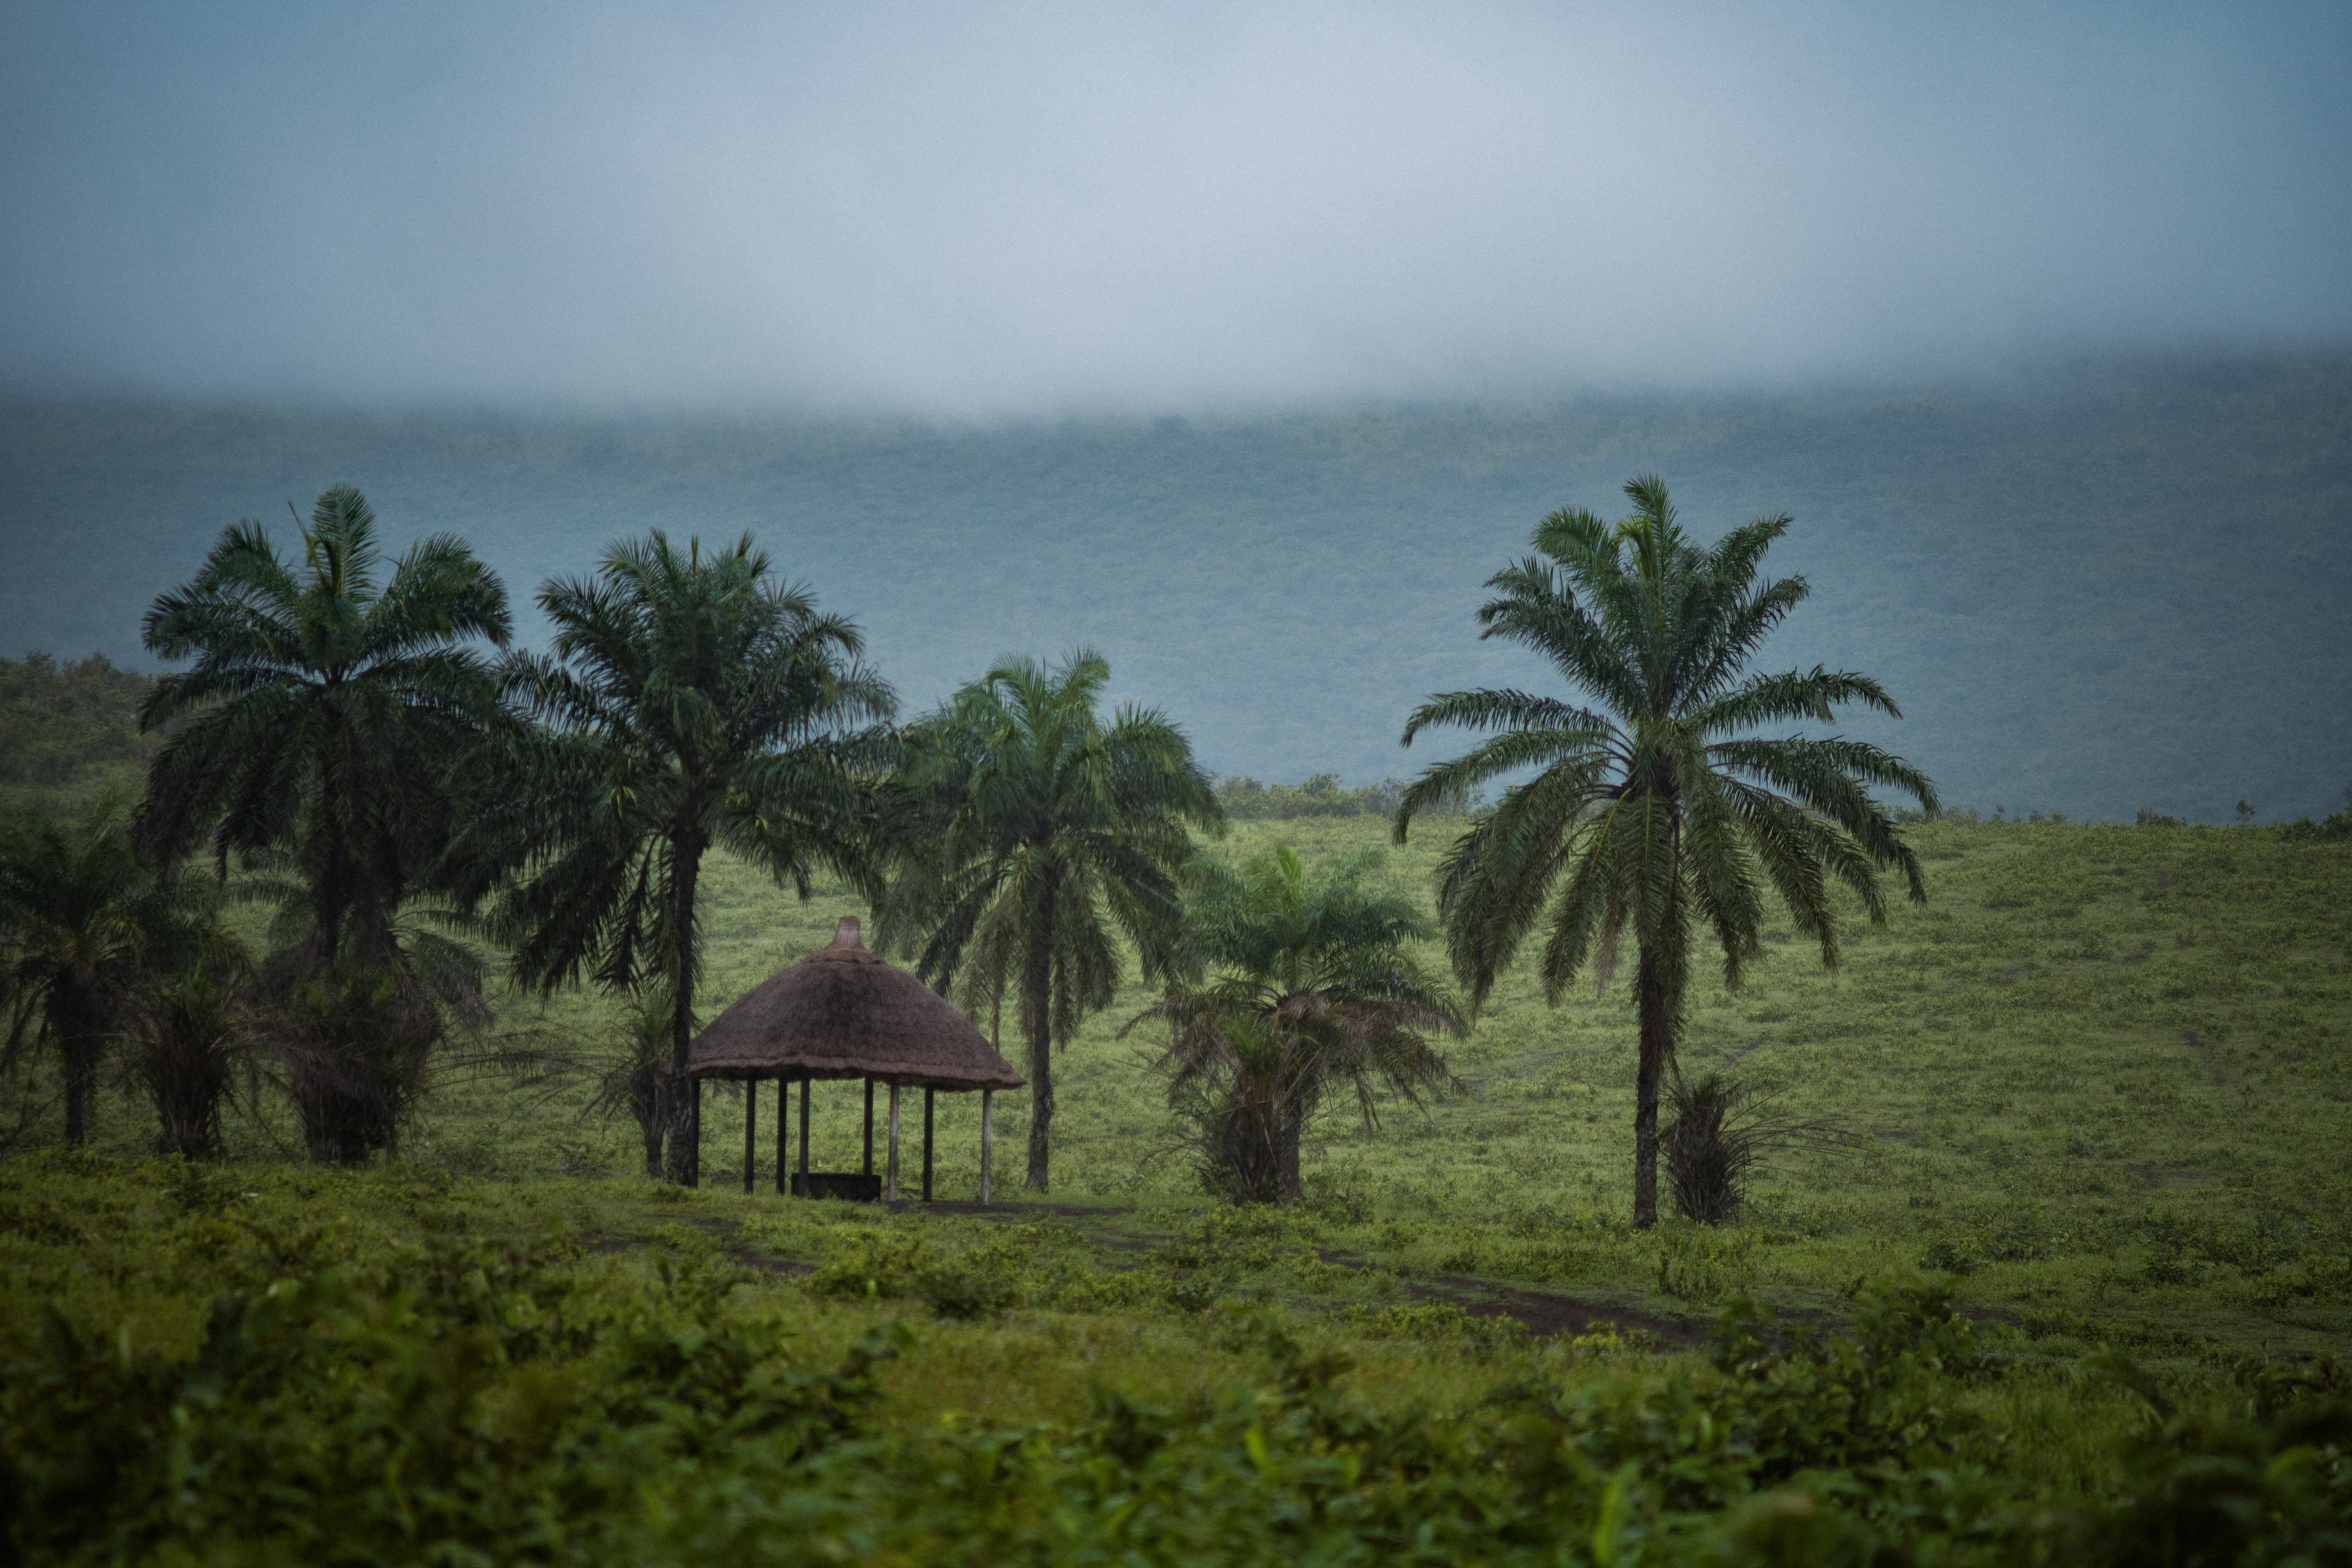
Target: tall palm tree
<point x="1035" y="832"/>
<point x="688" y="701"/>
<point x="1291" y="988"/>
<point x="82" y="923"/>
<point x="323" y="713"/>
<point x="1659" y="807"/>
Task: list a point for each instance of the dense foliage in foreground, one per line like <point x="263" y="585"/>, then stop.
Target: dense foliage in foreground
<point x="356" y="1371"/>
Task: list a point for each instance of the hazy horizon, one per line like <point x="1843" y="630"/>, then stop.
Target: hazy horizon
<point x="2111" y="586"/>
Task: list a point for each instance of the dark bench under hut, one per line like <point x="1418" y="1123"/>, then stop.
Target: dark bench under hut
<point x="843" y="1013"/>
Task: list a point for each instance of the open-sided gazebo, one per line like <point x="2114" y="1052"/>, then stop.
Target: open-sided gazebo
<point x="843" y="1013"/>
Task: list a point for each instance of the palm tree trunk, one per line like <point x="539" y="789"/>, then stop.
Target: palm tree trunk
<point x="646" y="1105"/>
<point x="684" y="1106"/>
<point x="1657" y="1047"/>
<point x="1292" y="1125"/>
<point x="1036" y="1025"/>
<point x="80" y="1024"/>
<point x="331" y="895"/>
<point x="81" y="1078"/>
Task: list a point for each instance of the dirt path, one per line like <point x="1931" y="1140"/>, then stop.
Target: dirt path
<point x="1542" y="1312"/>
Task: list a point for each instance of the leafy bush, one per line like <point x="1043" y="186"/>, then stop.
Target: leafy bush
<point x="1813" y="1402"/>
<point x="2013" y="1236"/>
<point x="1439" y="1322"/>
<point x="898" y="1265"/>
<point x="349" y="1400"/>
<point x="1948" y="1253"/>
<point x="475" y="1409"/>
<point x="1705" y="1265"/>
<point x="1339" y="1196"/>
<point x="2270" y="1483"/>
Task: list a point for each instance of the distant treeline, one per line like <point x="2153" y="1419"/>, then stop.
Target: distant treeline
<point x="56" y="718"/>
<point x="1245" y="798"/>
<point x="2335" y="826"/>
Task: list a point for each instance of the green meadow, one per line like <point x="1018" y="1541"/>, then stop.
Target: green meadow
<point x="2104" y="1072"/>
<point x="2079" y="1210"/>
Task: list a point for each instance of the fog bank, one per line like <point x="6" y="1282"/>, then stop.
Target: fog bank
<point x="962" y="212"/>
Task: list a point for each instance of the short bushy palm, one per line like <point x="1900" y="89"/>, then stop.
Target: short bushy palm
<point x="187" y="1032"/>
<point x="83" y="924"/>
<point x="1291" y="988"/>
<point x="628" y="1074"/>
<point x="688" y="701"/>
<point x="1659" y="809"/>
<point x="1035" y="833"/>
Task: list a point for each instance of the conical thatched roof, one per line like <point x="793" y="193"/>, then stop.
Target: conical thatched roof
<point x="841" y="1012"/>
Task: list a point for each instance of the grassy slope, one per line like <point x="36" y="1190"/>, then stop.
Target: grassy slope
<point x="2104" y="1072"/>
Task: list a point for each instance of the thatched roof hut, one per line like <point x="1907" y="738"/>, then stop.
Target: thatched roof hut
<point x="843" y="1013"/>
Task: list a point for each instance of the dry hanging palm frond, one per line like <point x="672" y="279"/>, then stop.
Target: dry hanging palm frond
<point x="1231" y="1090"/>
<point x="630" y="1075"/>
<point x="185" y="1037"/>
<point x="1722" y="1131"/>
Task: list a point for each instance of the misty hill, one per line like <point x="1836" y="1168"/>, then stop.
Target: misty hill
<point x="2102" y="587"/>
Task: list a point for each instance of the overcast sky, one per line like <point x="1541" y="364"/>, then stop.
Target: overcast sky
<point x="964" y="211"/>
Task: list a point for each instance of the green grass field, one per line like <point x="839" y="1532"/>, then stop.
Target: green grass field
<point x="2098" y="1088"/>
<point x="2104" y="1071"/>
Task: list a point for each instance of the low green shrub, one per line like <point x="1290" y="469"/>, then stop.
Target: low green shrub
<point x="1438" y="1323"/>
<point x="458" y="1405"/>
<point x="345" y="1396"/>
<point x="898" y="1265"/>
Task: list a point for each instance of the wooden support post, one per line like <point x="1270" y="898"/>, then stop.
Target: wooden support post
<point x="927" y="1143"/>
<point x="891" y="1191"/>
<point x="783" y="1132"/>
<point x="987" y="1138"/>
<point x="869" y="1127"/>
<point x="751" y="1130"/>
<point x="804" y="1094"/>
<point x="694" y="1137"/>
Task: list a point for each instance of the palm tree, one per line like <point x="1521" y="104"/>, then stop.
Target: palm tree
<point x="1307" y="986"/>
<point x="323" y="713"/>
<point x="688" y="702"/>
<point x="82" y="924"/>
<point x="1035" y="831"/>
<point x="326" y="708"/>
<point x="1659" y="807"/>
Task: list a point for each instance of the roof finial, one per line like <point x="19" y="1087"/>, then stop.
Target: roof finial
<point x="845" y="933"/>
